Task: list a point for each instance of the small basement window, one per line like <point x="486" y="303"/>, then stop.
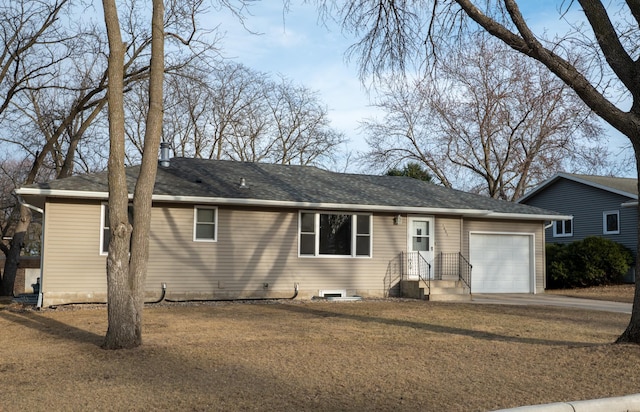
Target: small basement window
<point x="332" y="293"/>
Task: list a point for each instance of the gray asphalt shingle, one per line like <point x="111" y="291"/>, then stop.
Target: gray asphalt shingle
<point x="298" y="184"/>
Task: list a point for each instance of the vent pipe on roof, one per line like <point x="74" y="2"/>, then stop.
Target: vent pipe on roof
<point x="164" y="154"/>
<point x="243" y="183"/>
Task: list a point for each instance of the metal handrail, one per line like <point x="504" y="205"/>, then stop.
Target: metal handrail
<point x="448" y="264"/>
<point x="420" y="265"/>
<point x="465" y="271"/>
<point x="453" y="264"/>
<point x="427" y="279"/>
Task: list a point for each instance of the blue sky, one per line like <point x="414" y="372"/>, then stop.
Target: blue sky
<point x="298" y="46"/>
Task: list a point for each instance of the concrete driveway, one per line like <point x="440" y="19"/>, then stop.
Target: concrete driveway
<point x="551" y="300"/>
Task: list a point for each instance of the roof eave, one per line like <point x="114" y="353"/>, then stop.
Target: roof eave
<point x="76" y="194"/>
<point x="319" y="205"/>
<point x="527" y="216"/>
<point x="576" y="179"/>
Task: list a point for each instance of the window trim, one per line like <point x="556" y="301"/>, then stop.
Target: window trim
<point x="103" y="213"/>
<point x="332" y="292"/>
<point x="215" y="223"/>
<point x="605" y="214"/>
<point x="354" y="234"/>
<point x="564" y="234"/>
<point x="103" y="224"/>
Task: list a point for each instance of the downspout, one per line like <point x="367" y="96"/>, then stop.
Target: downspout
<point x="164" y="292"/>
<point x="160" y="299"/>
<point x="41" y="211"/>
<point x="295" y="294"/>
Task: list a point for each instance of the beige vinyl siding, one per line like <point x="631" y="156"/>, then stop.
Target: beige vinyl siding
<point x="512" y="227"/>
<point x="251" y="248"/>
<point x="363" y="276"/>
<point x="447" y="234"/>
<point x="258" y="247"/>
<point x="71" y="254"/>
<point x="255" y="255"/>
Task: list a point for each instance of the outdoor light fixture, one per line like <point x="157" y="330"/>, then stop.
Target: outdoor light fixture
<point x="397" y="220"/>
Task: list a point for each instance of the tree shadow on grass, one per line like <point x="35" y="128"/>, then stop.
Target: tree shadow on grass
<point x="52" y="327"/>
<point x="304" y="309"/>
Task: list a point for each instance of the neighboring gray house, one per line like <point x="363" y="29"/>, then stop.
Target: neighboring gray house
<point x="600" y="206"/>
<point x="229" y="230"/>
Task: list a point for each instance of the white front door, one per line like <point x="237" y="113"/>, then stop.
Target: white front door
<point x="419" y="242"/>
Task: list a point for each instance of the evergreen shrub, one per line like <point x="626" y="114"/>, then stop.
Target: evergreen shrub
<point x="592" y="261"/>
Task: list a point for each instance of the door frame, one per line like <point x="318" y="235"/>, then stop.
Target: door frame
<point x="429" y="255"/>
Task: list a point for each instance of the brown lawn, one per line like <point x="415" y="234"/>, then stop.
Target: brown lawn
<point x="616" y="293"/>
<point x="370" y="355"/>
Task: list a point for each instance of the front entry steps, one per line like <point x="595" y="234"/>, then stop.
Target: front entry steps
<point x="440" y="290"/>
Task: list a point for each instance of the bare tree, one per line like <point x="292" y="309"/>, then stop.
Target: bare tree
<point x="34" y="45"/>
<point x="12" y="174"/>
<point x="55" y="116"/>
<point x="393" y="33"/>
<point x="302" y="134"/>
<point x="128" y="251"/>
<point x="236" y="113"/>
<point x="239" y="122"/>
<point x="493" y="122"/>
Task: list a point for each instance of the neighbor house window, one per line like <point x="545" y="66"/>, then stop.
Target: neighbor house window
<point x="611" y="222"/>
<point x="335" y="234"/>
<point x="563" y="228"/>
<point x="105" y="234"/>
<point x="205" y="224"/>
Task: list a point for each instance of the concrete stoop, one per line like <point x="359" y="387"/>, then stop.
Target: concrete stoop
<point x="450" y="297"/>
<point x="440" y="291"/>
<point x="448" y="291"/>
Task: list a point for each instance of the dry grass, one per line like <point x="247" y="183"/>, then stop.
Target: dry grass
<point x="369" y="355"/>
<point x="615" y="293"/>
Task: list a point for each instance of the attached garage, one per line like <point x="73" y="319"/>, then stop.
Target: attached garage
<point x="502" y="263"/>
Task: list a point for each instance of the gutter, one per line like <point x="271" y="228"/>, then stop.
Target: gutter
<point x="41" y="211"/>
<point x="299" y="205"/>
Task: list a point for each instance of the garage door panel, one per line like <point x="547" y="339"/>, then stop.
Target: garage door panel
<point x="501" y="263"/>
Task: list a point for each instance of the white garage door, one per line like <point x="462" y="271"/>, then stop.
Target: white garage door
<point x="501" y="263"/>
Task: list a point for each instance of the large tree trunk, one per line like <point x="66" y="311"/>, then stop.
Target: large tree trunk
<point x="142" y="198"/>
<point x="129" y="246"/>
<point x="13" y="256"/>
<point x="125" y="323"/>
<point x="632" y="333"/>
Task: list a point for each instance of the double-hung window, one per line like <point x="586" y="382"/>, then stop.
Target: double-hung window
<point x="205" y="228"/>
<point x="335" y="234"/>
<point x="563" y="228"/>
<point x="611" y="222"/>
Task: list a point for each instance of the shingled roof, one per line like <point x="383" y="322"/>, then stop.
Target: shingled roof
<point x="218" y="181"/>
